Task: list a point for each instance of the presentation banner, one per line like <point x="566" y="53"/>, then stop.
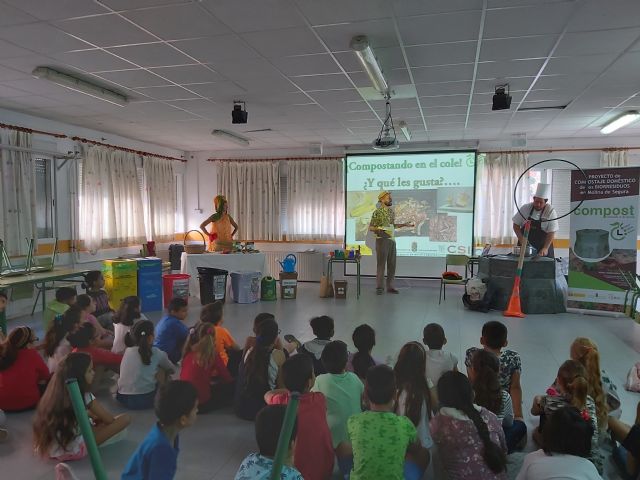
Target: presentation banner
<point x="433" y="191"/>
<point x="603" y="237"/>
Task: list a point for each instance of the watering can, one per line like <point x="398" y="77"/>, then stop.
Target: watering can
<point x="288" y="264"/>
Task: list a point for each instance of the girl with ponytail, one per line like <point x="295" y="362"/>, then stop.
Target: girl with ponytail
<point x="143" y="368"/>
<point x="414" y="399"/>
<point x="571" y="388"/>
<point x="201" y="363"/>
<point x="603" y="391"/>
<point x="483" y="374"/>
<point x="470" y="439"/>
<point x="259" y="371"/>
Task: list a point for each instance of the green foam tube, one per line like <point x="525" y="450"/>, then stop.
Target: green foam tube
<point x="285" y="435"/>
<point x="85" y="429"/>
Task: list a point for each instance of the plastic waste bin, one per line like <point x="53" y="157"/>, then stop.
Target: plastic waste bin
<point x="268" y="289"/>
<point x="245" y="286"/>
<point x="175" y="285"/>
<point x="213" y="284"/>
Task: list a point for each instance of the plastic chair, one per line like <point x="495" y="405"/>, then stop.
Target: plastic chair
<point x="454" y="261"/>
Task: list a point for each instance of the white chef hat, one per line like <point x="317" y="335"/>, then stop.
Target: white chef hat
<point x="543" y="190"/>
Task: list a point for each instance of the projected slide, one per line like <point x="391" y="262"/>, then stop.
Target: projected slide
<point x="433" y="191"/>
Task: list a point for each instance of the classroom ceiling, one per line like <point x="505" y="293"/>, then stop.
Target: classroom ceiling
<point x="182" y="63"/>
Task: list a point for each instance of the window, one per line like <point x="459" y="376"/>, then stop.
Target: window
<point x="45" y="200"/>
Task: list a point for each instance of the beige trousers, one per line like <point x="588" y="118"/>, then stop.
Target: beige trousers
<point x="385" y="255"/>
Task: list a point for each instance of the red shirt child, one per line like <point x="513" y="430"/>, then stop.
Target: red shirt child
<point x="313" y="454"/>
<point x="19" y="382"/>
<point x="201" y="376"/>
<point x="84" y="339"/>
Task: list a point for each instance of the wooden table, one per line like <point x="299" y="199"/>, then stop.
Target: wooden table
<point x="39" y="279"/>
<point x="333" y="260"/>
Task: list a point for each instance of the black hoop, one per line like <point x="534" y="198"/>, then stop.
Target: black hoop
<point x="515" y="189"/>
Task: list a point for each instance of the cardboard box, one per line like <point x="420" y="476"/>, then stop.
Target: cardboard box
<point x="288" y="285"/>
<point x="341" y="288"/>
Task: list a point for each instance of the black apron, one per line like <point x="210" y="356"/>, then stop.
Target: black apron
<point x="537" y="236"/>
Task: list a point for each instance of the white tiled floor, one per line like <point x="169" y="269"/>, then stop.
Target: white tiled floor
<point x="216" y="445"/>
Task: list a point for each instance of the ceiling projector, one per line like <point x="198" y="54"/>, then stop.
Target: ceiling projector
<point x="387" y="142"/>
<point x="501" y="98"/>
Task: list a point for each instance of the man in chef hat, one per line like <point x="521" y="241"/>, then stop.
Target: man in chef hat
<point x="542" y="231"/>
<point x="383" y="226"/>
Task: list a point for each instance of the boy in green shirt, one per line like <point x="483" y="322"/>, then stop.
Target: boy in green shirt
<point x="385" y="445"/>
<point x="65" y="297"/>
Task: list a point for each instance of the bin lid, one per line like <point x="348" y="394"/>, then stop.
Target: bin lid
<point x="246" y="273"/>
<point x="211" y="271"/>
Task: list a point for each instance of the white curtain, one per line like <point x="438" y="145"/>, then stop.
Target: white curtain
<point x="614" y="158"/>
<point x="160" y="201"/>
<point x="497" y="174"/>
<point x="315" y="200"/>
<point x="111" y="211"/>
<point x="253" y="192"/>
<point x="18" y="186"/>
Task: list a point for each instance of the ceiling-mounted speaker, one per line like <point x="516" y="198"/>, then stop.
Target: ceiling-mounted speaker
<point x="315" y="148"/>
<point x="239" y="113"/>
<point x="501" y="98"/>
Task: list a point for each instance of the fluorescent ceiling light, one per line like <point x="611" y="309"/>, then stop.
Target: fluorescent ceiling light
<point x="405" y="130"/>
<point x="81" y="86"/>
<point x="623" y="120"/>
<point x="360" y="45"/>
<point x="230" y="136"/>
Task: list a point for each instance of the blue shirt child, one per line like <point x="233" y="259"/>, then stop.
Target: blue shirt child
<point x="155" y="458"/>
<point x="170" y="335"/>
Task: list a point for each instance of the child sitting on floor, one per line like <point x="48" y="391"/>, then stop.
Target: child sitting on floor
<point x="603" y="391"/>
<point x="85" y="339"/>
<point x="627" y="455"/>
<point x="259" y="372"/>
<point x="65" y="297"/>
<point x="488" y="393"/>
<point x="143" y="368"/>
<point x="251" y="339"/>
<point x="438" y="361"/>
<point x="201" y="364"/>
<point x="571" y="389"/>
<point x="567" y="443"/>
<point x="55" y="428"/>
<point x="322" y="328"/>
<point x="56" y="345"/>
<point x="343" y="394"/>
<point x="416" y="393"/>
<point x="94" y="286"/>
<point x="88" y="307"/>
<point x="156" y="458"/>
<point x="23" y="373"/>
<point x="364" y="339"/>
<point x="470" y="439"/>
<point x="258" y="466"/>
<point x="171" y="332"/>
<point x="385" y="445"/>
<point x="313" y="453"/>
<point x="123" y="320"/>
<point x="494" y="339"/>
<point x="226" y="346"/>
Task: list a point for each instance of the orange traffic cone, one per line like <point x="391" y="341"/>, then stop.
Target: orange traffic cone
<point x="514" y="309"/>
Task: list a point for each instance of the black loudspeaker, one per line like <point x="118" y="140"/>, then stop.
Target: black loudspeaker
<point x="238" y="115"/>
<point x="501" y="100"/>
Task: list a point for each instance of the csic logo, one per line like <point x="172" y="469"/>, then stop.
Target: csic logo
<point x="459" y="249"/>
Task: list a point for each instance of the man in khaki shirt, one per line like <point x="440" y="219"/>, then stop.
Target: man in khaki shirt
<point x="383" y="225"/>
